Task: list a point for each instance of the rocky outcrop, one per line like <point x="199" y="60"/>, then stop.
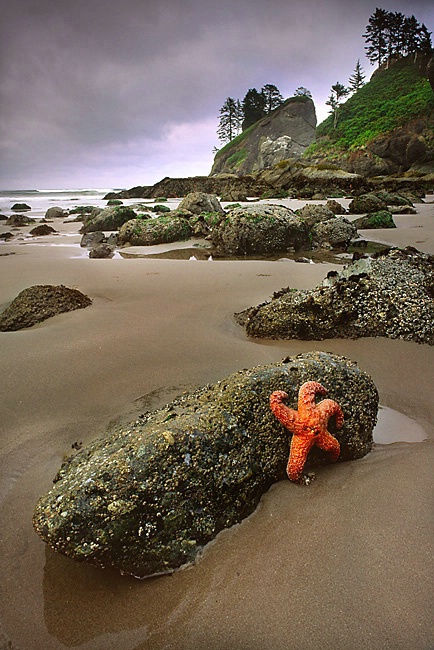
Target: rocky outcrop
<point x="284" y="133"/>
<point x="390" y="294"/>
<point x="36" y="304"/>
<point x="259" y="229"/>
<point x="147" y="497"/>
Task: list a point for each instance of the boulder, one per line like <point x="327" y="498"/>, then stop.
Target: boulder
<point x="260" y="229"/>
<point x="146" y="497"/>
<point x="42" y="230"/>
<point x="366" y="203"/>
<point x="107" y="219"/>
<point x="91" y="239"/>
<point x="19" y="220"/>
<point x="197" y="202"/>
<point x="160" y="230"/>
<point x="380" y="219"/>
<point x="3" y="217"/>
<point x="55" y="213"/>
<point x="39" y="302"/>
<point x="389" y="294"/>
<point x="6" y="236"/>
<point x="20" y="206"/>
<point x="112" y="202"/>
<point x="312" y="213"/>
<point x="335" y="207"/>
<point x="334" y="233"/>
<point x="101" y="251"/>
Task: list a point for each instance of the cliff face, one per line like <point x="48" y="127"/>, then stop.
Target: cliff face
<point x="285" y="133"/>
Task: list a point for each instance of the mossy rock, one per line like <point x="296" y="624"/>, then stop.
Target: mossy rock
<point x="380" y="219"/>
<point x="160" y="230"/>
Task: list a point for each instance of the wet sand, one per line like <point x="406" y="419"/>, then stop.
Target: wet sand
<point x="342" y="564"/>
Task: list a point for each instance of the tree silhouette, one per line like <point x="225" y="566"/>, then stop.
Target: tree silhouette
<point x="357" y="79"/>
<point x="253" y="107"/>
<point x="230" y="120"/>
<point x="301" y="91"/>
<point x="338" y="92"/>
<point x="376" y="36"/>
<point x="272" y="97"/>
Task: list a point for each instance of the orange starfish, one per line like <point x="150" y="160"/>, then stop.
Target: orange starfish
<point x="308" y="425"/>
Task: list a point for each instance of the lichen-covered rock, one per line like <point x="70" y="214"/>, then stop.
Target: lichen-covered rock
<point x="146" y="497"/>
<point x="36" y="304"/>
<point x="260" y="229"/>
<point x="107" y="219"/>
<point x="160" y="230"/>
<point x="390" y="294"/>
<point x="334" y="233"/>
<point x="366" y="203"/>
<point x="335" y="207"/>
<point x="197" y="202"/>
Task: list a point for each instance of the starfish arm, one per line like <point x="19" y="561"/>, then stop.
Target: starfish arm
<point x="328" y="408"/>
<point x="329" y="443"/>
<point x="284" y="414"/>
<point x="297" y="457"/>
<point x="306" y="395"/>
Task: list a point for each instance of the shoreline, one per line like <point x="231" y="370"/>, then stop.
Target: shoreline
<point x="342" y="563"/>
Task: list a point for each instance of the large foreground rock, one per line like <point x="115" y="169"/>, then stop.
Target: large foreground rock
<point x="147" y="496"/>
<point x="159" y="230"/>
<point x="36" y="304"/>
<point x="260" y="229"/>
<point x="390" y="294"/>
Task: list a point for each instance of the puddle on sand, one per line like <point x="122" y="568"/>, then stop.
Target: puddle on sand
<point x="393" y="426"/>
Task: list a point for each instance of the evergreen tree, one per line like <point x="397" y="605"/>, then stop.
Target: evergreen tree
<point x="425" y="44"/>
<point x="411" y="35"/>
<point x="253" y="107"/>
<point x="338" y="93"/>
<point x="272" y="97"/>
<point x="357" y="79"/>
<point x="230" y="120"/>
<point x="376" y="36"/>
<point x="301" y="91"/>
<point x="395" y="33"/>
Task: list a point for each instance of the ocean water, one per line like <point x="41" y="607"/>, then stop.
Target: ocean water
<point x="40" y="200"/>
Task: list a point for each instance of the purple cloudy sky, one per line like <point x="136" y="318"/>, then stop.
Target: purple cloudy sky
<point x="106" y="93"/>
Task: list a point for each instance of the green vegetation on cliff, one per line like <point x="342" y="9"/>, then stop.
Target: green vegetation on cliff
<point x="392" y="98"/>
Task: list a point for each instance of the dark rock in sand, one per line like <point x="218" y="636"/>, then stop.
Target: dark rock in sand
<point x="112" y="202"/>
<point x="21" y="206"/>
<point x="404" y="209"/>
<point x="146" y="497"/>
<point x="55" y="213"/>
<point x="36" y="304"/>
<point x="102" y="251"/>
<point x="6" y="236"/>
<point x="92" y="239"/>
<point x="3" y="217"/>
<point x="19" y="220"/>
<point x="390" y="294"/>
<point x="42" y="230"/>
<point x="107" y="219"/>
<point x="260" y="229"/>
<point x="335" y="207"/>
<point x="380" y="219"/>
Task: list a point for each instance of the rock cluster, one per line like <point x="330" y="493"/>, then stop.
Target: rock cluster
<point x="148" y="496"/>
<point x="39" y="302"/>
<point x="390" y="294"/>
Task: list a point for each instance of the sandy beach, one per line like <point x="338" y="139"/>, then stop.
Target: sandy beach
<point x="342" y="564"/>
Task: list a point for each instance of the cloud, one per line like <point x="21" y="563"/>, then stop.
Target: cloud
<point x="98" y="89"/>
